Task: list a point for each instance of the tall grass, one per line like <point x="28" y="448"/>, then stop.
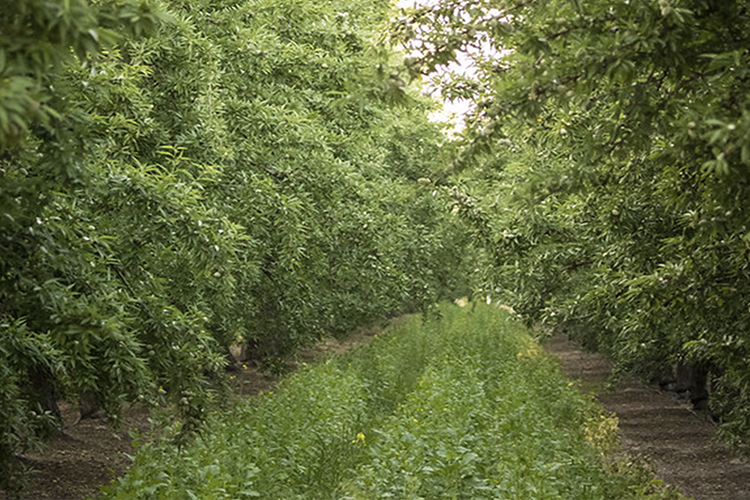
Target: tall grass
<point x="461" y="407"/>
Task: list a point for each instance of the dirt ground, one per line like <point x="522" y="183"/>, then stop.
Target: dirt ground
<point x="678" y="441"/>
<point x="90" y="453"/>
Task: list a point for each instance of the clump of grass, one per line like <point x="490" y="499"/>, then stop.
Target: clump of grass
<point x="462" y="406"/>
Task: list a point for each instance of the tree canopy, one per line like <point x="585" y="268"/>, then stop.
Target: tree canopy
<point x="606" y="169"/>
<point x="180" y="176"/>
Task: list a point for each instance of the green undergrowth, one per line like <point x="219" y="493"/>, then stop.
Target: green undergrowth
<point x="463" y="405"/>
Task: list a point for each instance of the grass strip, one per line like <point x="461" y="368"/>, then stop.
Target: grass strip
<point x="464" y="406"/>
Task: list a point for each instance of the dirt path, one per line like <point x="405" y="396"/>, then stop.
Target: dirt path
<point x="658" y="425"/>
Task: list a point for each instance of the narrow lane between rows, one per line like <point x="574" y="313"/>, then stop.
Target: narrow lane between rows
<point x="657" y="425"/>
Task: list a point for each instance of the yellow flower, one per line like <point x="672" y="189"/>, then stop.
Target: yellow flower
<point x="532" y="351"/>
<point x="359" y="439"/>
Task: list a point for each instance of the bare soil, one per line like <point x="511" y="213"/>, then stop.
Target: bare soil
<point x="679" y="442"/>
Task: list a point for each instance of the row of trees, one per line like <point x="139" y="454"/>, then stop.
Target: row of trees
<point x="607" y="169"/>
<point x="179" y="176"/>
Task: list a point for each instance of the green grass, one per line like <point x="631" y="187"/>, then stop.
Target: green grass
<point x="462" y="407"/>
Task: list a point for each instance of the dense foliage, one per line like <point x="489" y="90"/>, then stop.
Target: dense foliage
<point x="179" y="176"/>
<point x="607" y="172"/>
<point x="465" y="407"/>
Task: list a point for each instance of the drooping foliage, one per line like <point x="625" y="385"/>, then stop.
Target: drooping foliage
<point x="606" y="169"/>
<point x="180" y="176"/>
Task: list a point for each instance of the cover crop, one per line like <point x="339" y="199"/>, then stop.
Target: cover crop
<point x="460" y="406"/>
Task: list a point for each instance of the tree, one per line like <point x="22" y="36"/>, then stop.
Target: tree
<point x="179" y="177"/>
<point x="617" y="135"/>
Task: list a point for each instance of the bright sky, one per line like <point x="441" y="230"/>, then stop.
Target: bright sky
<point x="455" y="111"/>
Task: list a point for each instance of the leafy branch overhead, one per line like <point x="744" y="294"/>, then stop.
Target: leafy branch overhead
<point x="39" y="38"/>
